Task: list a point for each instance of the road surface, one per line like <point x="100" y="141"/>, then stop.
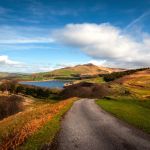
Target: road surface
<point x="87" y="127"/>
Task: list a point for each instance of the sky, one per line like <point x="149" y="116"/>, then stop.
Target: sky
<point x="43" y="35"/>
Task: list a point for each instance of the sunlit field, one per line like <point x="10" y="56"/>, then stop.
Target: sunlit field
<point x="41" y="120"/>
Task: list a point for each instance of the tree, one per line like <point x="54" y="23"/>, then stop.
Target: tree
<point x="20" y="89"/>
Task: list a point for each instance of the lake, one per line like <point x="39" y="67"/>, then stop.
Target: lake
<point x="47" y="84"/>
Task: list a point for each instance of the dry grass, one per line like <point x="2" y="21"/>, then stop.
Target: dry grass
<point x="16" y="129"/>
<point x="138" y="84"/>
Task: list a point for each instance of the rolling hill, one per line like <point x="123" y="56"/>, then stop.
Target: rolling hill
<point x="85" y="69"/>
<point x="138" y="83"/>
<point x="65" y="73"/>
<point x="76" y="71"/>
<point x="7" y="75"/>
<point x="4" y="74"/>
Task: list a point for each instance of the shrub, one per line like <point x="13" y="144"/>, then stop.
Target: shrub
<point x="10" y="105"/>
<point x="85" y="90"/>
<point x="38" y="92"/>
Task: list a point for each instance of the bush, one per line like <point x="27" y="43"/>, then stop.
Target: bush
<point x="37" y="92"/>
<point x="9" y="105"/>
<point x="8" y="85"/>
<point x="85" y="90"/>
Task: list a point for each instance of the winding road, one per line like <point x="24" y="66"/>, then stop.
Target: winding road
<point x="87" y="127"/>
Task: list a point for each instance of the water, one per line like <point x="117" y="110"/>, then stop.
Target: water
<point x="47" y="84"/>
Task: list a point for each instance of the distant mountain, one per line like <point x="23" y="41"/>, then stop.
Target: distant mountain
<point x="67" y="72"/>
<point x="78" y="70"/>
<point x="6" y="74"/>
<point x="85" y="69"/>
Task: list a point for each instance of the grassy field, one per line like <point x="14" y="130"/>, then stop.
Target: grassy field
<point x="98" y="80"/>
<point x="138" y="84"/>
<point x="94" y="80"/>
<point x="36" y="125"/>
<point x="47" y="133"/>
<point x="131" y="110"/>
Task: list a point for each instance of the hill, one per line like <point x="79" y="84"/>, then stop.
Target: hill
<point x="74" y="72"/>
<point x="7" y="75"/>
<point x="85" y="69"/>
<point x="4" y="74"/>
<point x="138" y="83"/>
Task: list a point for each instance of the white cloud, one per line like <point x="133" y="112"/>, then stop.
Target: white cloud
<point x="9" y="65"/>
<point x="104" y="42"/>
<point x="98" y="63"/>
<point x="4" y="60"/>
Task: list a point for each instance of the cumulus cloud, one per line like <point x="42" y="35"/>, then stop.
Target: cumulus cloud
<point x="9" y="65"/>
<point x="107" y="43"/>
<point x="4" y="60"/>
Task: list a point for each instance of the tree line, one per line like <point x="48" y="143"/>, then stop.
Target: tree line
<point x="116" y="75"/>
<point x="13" y="87"/>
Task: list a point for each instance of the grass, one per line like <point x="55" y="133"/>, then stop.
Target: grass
<point x="63" y="72"/>
<point x="95" y="80"/>
<point x="47" y="133"/>
<point x="39" y="121"/>
<point x="134" y="112"/>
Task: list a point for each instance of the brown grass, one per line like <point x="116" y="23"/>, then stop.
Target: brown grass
<point x="138" y="84"/>
<point x="15" y="132"/>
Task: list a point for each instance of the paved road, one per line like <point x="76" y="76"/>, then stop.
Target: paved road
<point x="87" y="127"/>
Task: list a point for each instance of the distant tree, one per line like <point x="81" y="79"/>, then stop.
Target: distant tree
<point x="12" y="86"/>
<point x="5" y="86"/>
<point x="116" y="75"/>
<point x="20" y="89"/>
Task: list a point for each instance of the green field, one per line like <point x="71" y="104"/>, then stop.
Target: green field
<point x="133" y="111"/>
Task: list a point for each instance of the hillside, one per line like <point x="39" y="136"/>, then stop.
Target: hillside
<point x="4" y="74"/>
<point x="138" y="83"/>
<point x="86" y="69"/>
<point x="75" y="71"/>
<point x="129" y="99"/>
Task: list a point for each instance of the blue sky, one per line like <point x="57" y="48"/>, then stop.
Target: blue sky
<point x="42" y="35"/>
